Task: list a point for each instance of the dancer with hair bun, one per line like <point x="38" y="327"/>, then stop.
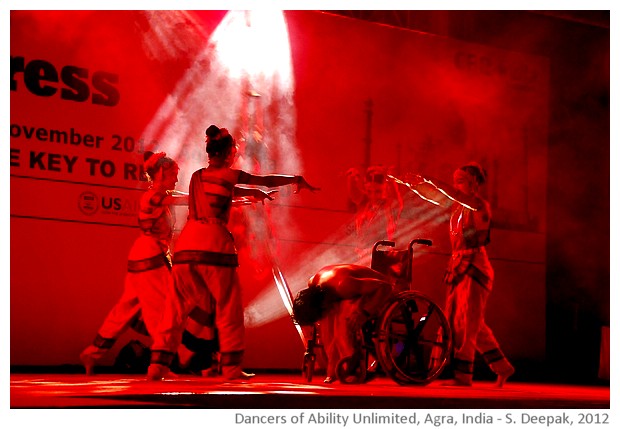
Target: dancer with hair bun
<point x="469" y="275"/>
<point x="148" y="269"/>
<point x="205" y="258"/>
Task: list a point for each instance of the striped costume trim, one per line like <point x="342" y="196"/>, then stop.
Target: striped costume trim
<point x="218" y="188"/>
<point x="206" y="258"/>
<point x="478" y="276"/>
<point x="220" y="203"/>
<point x="492" y="356"/>
<point x="138" y="325"/>
<point x="464" y="366"/>
<point x="148" y="264"/>
<point x="103" y="343"/>
<point x="231" y="358"/>
<point x="147" y="225"/>
<point x="213" y="180"/>
<point x="202" y="317"/>
<point x="162" y="357"/>
<point x="196" y="345"/>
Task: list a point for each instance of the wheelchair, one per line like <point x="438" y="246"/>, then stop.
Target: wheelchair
<point x="410" y="340"/>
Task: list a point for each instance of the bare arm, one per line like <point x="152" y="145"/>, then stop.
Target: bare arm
<point x="241" y="196"/>
<point x="417" y="183"/>
<point x="250" y="195"/>
<point x="468" y="201"/>
<point x="394" y="193"/>
<point x="277" y="180"/>
<point x="176" y="198"/>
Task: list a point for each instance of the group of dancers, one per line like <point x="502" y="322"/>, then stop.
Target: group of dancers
<point x="202" y="273"/>
<point x="201" y="277"/>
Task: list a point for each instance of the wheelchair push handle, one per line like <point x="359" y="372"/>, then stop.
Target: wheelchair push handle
<point x="389" y="243"/>
<point x="423" y="241"/>
<point x="386" y="243"/>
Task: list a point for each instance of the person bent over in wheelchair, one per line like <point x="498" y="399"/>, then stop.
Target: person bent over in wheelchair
<point x="342" y="298"/>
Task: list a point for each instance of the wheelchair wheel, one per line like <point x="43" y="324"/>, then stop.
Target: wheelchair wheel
<point x="413" y="339"/>
<point x="351" y="371"/>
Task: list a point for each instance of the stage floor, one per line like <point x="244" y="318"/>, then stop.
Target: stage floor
<point x="289" y="391"/>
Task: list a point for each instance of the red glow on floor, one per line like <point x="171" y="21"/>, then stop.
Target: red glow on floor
<point x="287" y="391"/>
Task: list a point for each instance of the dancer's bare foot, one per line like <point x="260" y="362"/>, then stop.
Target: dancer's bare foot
<point x="157" y="372"/>
<point x="457" y="383"/>
<point x="88" y="362"/>
<point x="502" y="378"/>
<point x="235" y="373"/>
